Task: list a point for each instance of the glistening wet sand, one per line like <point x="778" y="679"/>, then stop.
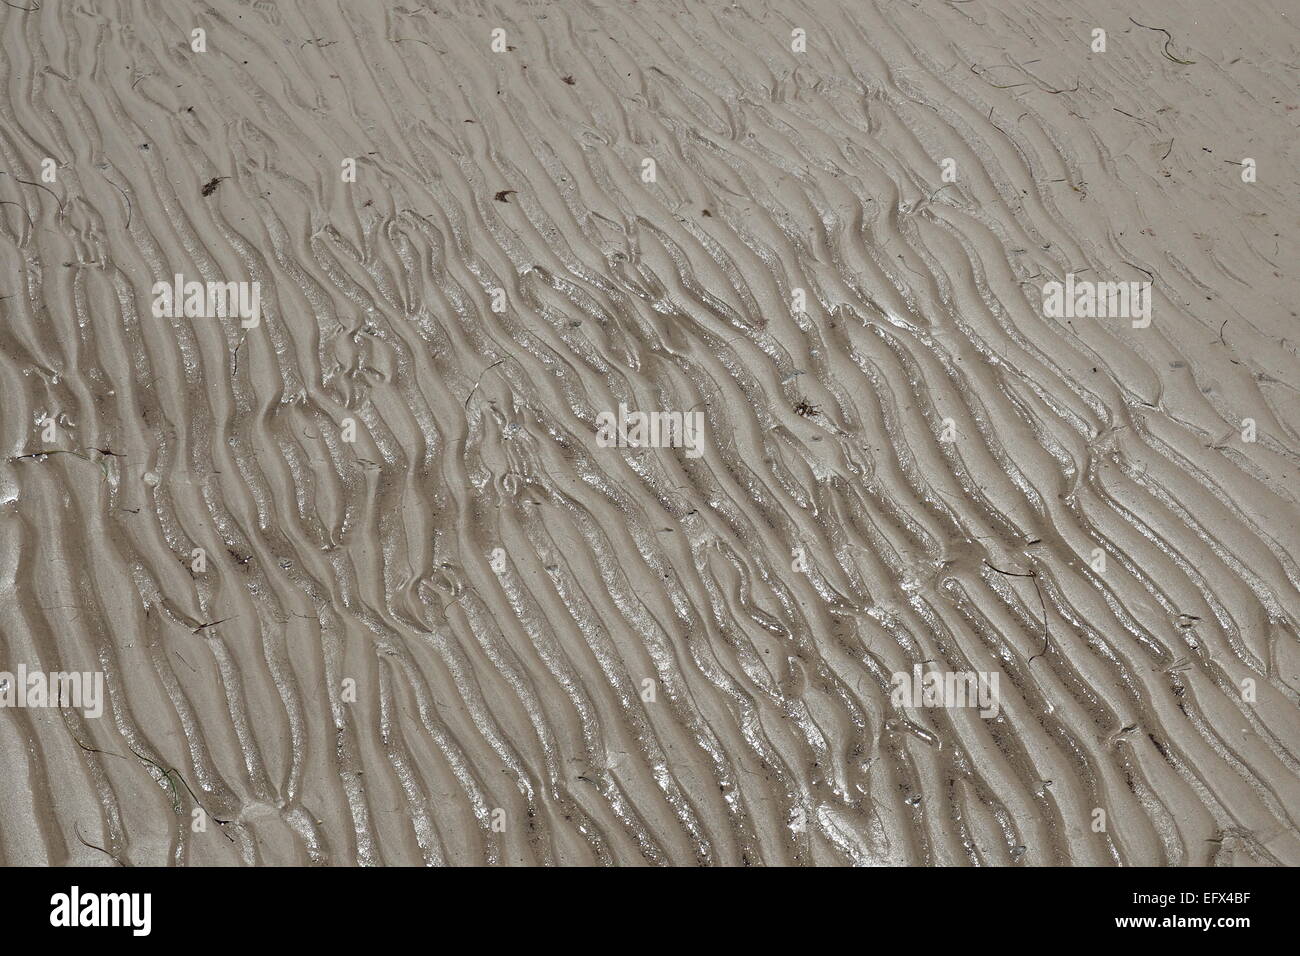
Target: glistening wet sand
<point x="916" y="467"/>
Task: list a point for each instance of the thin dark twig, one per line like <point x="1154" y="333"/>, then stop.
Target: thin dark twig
<point x="1168" y="39"/>
<point x="46" y="188"/>
<point x="85" y="747"/>
<point x="212" y="624"/>
<point x="1011" y="574"/>
<point x="480" y="379"/>
<point x="128" y="202"/>
<point x="978" y="71"/>
<point x="77" y="829"/>
<point x="1138" y="118"/>
<point x="1149" y="274"/>
<point x="167" y="773"/>
<point x="1072" y="89"/>
<point x="1041" y="603"/>
<point x="10" y="202"/>
<point x="52" y="451"/>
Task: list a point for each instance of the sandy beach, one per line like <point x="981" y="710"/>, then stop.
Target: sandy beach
<point x="618" y="433"/>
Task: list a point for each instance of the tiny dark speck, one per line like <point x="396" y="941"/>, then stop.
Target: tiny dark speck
<point x="504" y="195"/>
<point x="570" y="80"/>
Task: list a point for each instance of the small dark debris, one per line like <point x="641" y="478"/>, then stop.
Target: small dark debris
<point x="504" y="195"/>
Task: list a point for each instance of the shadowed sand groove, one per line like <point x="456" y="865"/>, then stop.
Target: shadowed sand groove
<point x="357" y="675"/>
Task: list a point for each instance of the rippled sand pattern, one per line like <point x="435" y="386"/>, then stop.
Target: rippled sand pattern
<point x="671" y="659"/>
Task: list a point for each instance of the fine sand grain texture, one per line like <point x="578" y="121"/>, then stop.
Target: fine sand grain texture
<point x="364" y="581"/>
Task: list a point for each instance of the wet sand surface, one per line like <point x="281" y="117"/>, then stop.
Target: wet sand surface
<point x="365" y="587"/>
